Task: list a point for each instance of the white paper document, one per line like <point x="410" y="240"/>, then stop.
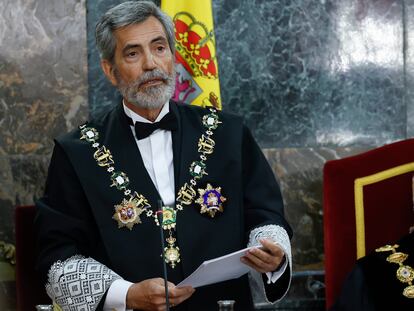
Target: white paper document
<point x="217" y="270"/>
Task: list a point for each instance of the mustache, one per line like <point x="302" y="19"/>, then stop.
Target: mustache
<point x="156" y="74"/>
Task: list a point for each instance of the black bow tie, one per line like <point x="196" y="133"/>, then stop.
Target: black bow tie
<point x="143" y="129"/>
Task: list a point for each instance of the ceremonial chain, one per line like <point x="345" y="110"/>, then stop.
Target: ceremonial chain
<point x="405" y="273"/>
<point x="128" y="212"/>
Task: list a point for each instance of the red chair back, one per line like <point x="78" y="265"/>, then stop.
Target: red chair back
<point x="367" y="203"/>
<point x="29" y="290"/>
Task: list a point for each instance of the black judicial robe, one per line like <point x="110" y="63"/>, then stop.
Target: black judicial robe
<point x="75" y="215"/>
<point x="373" y="285"/>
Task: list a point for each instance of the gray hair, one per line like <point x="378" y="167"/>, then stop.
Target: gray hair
<point x="125" y="14"/>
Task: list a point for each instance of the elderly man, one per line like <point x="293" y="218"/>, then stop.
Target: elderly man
<point x="99" y="234"/>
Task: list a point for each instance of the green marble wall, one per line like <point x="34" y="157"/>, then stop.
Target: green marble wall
<point x="43" y="93"/>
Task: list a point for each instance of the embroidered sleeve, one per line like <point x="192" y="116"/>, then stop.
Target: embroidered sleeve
<point x="79" y="283"/>
<point x="278" y="235"/>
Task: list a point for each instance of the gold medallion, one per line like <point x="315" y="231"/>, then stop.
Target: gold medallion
<point x="172" y="252"/>
<point x="397" y="257"/>
<point x="409" y="291"/>
<point x="211" y="200"/>
<point x="405" y="274"/>
<point x="127" y="213"/>
<point x="103" y="156"/>
<point x="186" y="194"/>
<point x="387" y="248"/>
<point x="206" y="144"/>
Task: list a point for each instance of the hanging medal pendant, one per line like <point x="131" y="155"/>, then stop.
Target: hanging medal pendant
<point x="172" y="252"/>
<point x="169" y="218"/>
<point x="169" y="221"/>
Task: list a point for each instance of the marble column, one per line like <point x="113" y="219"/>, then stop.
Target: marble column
<point x="43" y="93"/>
<point x="409" y="64"/>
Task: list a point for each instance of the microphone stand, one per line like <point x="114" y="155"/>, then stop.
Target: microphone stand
<point x="164" y="265"/>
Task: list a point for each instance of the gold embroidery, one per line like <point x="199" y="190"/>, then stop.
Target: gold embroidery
<point x="186" y="194"/>
<point x="103" y="156"/>
<point x="405" y="273"/>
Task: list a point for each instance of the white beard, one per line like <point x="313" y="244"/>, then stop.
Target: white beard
<point x="151" y="97"/>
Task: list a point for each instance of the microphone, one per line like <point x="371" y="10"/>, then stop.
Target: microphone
<point x="164" y="265"/>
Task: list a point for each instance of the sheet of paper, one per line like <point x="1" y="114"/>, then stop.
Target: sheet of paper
<point x="217" y="270"/>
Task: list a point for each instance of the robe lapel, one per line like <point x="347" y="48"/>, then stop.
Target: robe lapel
<point x="127" y="157"/>
<point x="185" y="147"/>
<point x="177" y="146"/>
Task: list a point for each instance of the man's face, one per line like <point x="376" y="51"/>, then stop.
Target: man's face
<point x="143" y="65"/>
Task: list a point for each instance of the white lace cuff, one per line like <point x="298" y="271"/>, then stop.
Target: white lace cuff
<point x="278" y="235"/>
<point x="79" y="283"/>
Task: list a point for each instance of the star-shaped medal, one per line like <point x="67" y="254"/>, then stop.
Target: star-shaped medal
<point x="211" y="200"/>
<point x="127" y="213"/>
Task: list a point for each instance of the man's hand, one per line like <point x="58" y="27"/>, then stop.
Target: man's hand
<point x="150" y="295"/>
<point x="267" y="259"/>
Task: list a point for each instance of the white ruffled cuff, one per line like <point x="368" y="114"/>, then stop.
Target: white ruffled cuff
<point x="280" y="237"/>
<point x="79" y="283"/>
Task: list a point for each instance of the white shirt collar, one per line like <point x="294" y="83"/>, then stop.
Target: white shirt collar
<point x="136" y="117"/>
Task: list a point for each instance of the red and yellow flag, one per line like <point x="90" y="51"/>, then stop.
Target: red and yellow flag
<point x="197" y="79"/>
